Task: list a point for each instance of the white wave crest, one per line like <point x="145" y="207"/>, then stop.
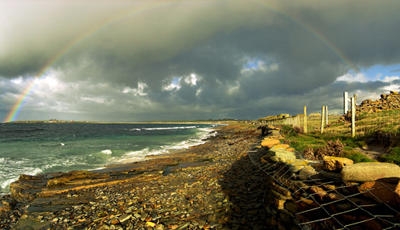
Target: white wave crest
<point x="107" y="151"/>
<point x="169" y="128"/>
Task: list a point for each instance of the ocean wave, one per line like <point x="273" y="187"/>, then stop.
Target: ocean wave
<point x="107" y="151"/>
<point x="11" y="177"/>
<point x="169" y="128"/>
<point x="140" y="155"/>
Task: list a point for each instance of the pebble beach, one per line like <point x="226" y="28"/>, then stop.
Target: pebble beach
<point x="211" y="186"/>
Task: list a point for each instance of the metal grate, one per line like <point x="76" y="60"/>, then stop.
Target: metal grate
<point x="337" y="205"/>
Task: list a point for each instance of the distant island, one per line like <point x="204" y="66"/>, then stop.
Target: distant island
<point x="122" y="122"/>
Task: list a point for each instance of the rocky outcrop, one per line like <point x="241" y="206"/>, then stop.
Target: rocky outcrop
<point x="386" y="102"/>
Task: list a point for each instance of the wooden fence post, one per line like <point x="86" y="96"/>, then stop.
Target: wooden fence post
<point x="345" y="102"/>
<point x="322" y="119"/>
<point x="353" y="117"/>
<point x="305" y="119"/>
<point x="326" y="115"/>
<point x="355" y="99"/>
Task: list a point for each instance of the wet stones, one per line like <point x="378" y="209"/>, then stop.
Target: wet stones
<point x="210" y="194"/>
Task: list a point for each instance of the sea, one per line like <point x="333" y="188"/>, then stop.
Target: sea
<point x="37" y="148"/>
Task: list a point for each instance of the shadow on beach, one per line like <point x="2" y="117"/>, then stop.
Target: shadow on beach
<point x="244" y="189"/>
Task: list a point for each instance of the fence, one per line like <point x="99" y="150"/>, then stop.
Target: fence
<point x="382" y="115"/>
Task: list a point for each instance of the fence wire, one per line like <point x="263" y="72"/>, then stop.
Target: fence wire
<point x="328" y="202"/>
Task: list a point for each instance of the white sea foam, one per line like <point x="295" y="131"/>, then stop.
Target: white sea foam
<point x="169" y="128"/>
<point x="141" y="154"/>
<point x="4" y="184"/>
<point x="107" y="151"/>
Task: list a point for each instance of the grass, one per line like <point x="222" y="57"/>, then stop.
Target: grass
<point x="382" y="127"/>
<point x="315" y="141"/>
<point x="356" y="156"/>
<point x="393" y="156"/>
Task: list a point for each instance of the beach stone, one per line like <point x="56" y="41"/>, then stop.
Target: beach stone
<point x="269" y="142"/>
<point x="296" y="164"/>
<point x="320" y="192"/>
<point x="335" y="163"/>
<point x="278" y="159"/>
<point x="281" y="146"/>
<point x="380" y="191"/>
<point x="369" y="171"/>
<point x="307" y="172"/>
<point x="282" y="153"/>
<point x="397" y="193"/>
<point x="124" y="218"/>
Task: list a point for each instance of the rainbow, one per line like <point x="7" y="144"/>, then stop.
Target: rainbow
<point x="17" y="107"/>
<point x="152" y="5"/>
<point x="316" y="34"/>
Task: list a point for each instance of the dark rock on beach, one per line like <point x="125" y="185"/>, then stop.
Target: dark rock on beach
<point x="211" y="186"/>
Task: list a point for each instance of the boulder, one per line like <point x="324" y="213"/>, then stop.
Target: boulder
<point x="397" y="193"/>
<point x="296" y="165"/>
<point x="381" y="192"/>
<point x="281" y="146"/>
<point x="307" y="172"/>
<point x="282" y="153"/>
<point x="269" y="142"/>
<point x="369" y="171"/>
<point x="336" y="163"/>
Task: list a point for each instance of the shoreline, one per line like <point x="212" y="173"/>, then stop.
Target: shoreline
<point x="195" y="188"/>
<point x="201" y="135"/>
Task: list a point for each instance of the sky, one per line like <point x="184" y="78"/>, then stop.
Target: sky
<point x="174" y="60"/>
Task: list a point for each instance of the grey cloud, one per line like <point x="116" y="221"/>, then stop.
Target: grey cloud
<point x="107" y="46"/>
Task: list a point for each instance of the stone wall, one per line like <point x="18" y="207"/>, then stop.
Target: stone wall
<point x="386" y="102"/>
<point x="328" y="194"/>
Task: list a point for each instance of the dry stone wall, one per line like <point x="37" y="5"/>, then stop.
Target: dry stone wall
<point x="386" y="102"/>
<point x="332" y="193"/>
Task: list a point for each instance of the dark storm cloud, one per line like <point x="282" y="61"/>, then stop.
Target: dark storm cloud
<point x="248" y="57"/>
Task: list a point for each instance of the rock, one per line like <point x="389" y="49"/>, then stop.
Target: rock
<point x="366" y="101"/>
<point x="278" y="159"/>
<point x="173" y="226"/>
<point x="5" y="206"/>
<point x="318" y="191"/>
<point x="281" y="146"/>
<point x="336" y="163"/>
<point x="307" y="172"/>
<point x="282" y="153"/>
<point x="296" y="165"/>
<point x="124" y="218"/>
<point x="379" y="191"/>
<point x="114" y="221"/>
<point x="397" y="193"/>
<point x="291" y="207"/>
<point x="150" y="224"/>
<point x="369" y="171"/>
<point x="283" y="115"/>
<point x="269" y="142"/>
<point x="314" y="115"/>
